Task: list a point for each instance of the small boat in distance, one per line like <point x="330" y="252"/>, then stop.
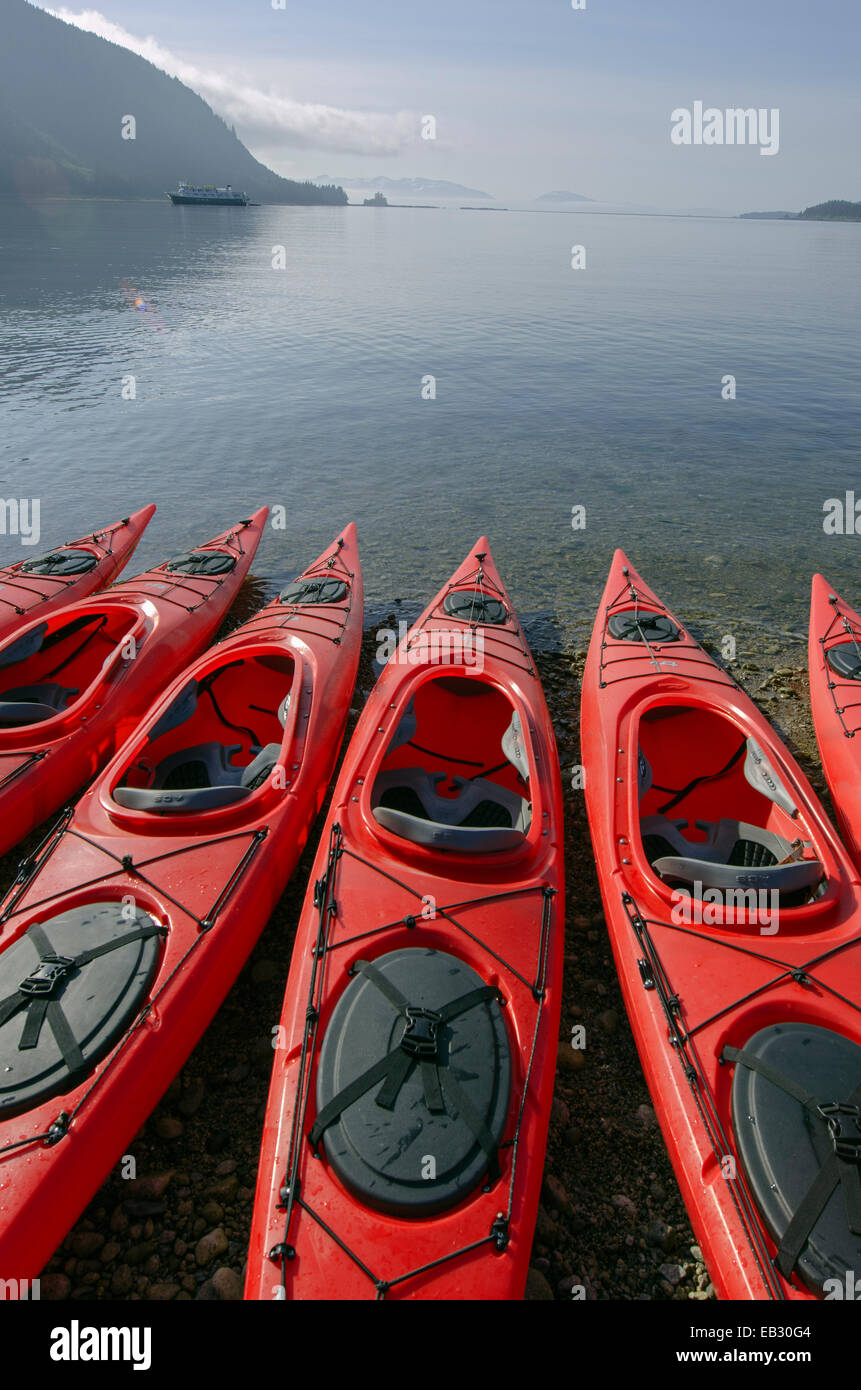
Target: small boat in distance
<point x="210" y="195"/>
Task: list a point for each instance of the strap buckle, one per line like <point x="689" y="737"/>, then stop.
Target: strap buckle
<point x="420" y="1038"/>
<point x="836" y="1114"/>
<point x="47" y="976"/>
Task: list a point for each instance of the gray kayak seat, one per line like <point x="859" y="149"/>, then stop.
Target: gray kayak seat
<point x="483" y="817"/>
<point x="30" y="704"/>
<point x="733" y="855"/>
<point x="217" y="782"/>
<point x="203" y="777"/>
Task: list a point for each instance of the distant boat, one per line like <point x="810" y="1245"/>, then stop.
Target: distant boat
<point x="209" y="195"/>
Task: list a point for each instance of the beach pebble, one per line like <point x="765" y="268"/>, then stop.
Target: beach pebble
<point x="227" y="1285"/>
<point x="554" y="1193"/>
<point x="162" y="1293"/>
<point x="537" y="1287"/>
<point x="122" y="1280"/>
<point x="192" y="1098"/>
<point x="54" y="1287"/>
<point x="167" y="1127"/>
<point x="210" y="1246"/>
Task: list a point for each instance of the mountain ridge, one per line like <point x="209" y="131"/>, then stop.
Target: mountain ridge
<point x="64" y="97"/>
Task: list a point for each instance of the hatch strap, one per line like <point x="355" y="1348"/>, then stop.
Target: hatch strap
<point x="418" y="1046"/>
<point x="842" y="1166"/>
<point x="37" y="994"/>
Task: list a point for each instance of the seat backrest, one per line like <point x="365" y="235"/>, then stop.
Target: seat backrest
<point x="763" y="778"/>
<point x="442" y="825"/>
<point x="644" y="774"/>
<point x="27" y="645"/>
<point x="406" y="729"/>
<point x="514" y="746"/>
<point x="32" y="704"/>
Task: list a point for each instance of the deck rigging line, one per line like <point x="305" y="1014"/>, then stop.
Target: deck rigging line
<point x="291" y="1197"/>
<point x="681" y="1036"/>
<point x="29" y="871"/>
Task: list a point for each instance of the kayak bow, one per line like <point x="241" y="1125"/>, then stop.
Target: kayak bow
<point x="32" y="588"/>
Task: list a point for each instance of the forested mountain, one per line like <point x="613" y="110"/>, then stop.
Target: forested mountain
<point x="64" y="95"/>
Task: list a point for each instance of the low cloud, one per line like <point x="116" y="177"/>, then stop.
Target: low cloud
<point x="260" y="115"/>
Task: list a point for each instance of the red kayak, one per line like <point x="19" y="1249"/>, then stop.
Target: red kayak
<point x="735" y="918"/>
<point x="407" y="1118"/>
<point x="33" y="588"/>
<point x="124" y="933"/>
<point x="835" y="698"/>
<point x="73" y="684"/>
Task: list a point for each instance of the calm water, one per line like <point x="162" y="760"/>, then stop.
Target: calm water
<point x="555" y="387"/>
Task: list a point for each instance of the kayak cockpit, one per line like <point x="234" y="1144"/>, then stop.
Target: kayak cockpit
<point x="58" y="664"/>
<point x="456" y="774"/>
<point x="715" y="816"/>
<point x="219" y="740"/>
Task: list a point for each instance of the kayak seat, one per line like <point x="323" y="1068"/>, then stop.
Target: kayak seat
<point x="30" y="704"/>
<point x="483" y="817"/>
<point x="734" y="855"/>
<point x="200" y="779"/>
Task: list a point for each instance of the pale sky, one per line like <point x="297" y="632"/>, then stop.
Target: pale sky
<point x="528" y="95"/>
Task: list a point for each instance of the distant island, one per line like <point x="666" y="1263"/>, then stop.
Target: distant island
<point x="563" y="196"/>
<point x="427" y="188"/>
<point x="66" y="101"/>
<point x="379" y="200"/>
<point x="835" y="211"/>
